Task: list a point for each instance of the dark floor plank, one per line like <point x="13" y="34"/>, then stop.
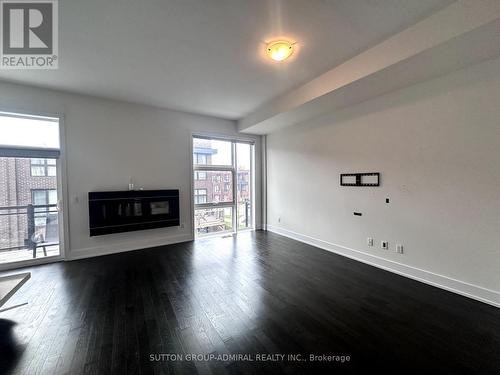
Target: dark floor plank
<point x="257" y="293"/>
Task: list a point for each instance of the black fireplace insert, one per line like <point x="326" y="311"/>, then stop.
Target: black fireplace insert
<point x="125" y="211"/>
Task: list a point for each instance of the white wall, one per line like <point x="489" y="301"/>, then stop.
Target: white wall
<point x="437" y="146"/>
<point x="108" y="141"/>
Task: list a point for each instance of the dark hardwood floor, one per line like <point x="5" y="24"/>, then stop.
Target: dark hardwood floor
<point x="255" y="294"/>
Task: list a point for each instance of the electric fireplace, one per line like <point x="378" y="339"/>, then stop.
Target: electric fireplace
<point x="125" y="211"/>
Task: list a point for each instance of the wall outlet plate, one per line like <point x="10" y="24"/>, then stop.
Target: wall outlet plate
<point x="384" y="245"/>
<point x="369" y="241"/>
<point x="399" y="248"/>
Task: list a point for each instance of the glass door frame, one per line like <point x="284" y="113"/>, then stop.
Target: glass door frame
<point x="233" y="168"/>
<point x="62" y="186"/>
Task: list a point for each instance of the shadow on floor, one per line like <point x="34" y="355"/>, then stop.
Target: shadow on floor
<point x="9" y="349"/>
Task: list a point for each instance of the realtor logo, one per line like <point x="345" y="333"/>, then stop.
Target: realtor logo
<point x="29" y="34"/>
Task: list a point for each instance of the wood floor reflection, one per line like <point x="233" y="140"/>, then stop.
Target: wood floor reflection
<point x="258" y="293"/>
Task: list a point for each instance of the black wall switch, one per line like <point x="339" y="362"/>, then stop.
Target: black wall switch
<point x="357" y="213"/>
<point x="386" y="200"/>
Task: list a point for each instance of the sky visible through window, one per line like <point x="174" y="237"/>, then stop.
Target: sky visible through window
<point x="222" y="152"/>
<point x="222" y="156"/>
<point x="28" y="132"/>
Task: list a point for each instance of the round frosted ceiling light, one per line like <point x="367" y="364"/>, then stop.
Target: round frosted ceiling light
<point x="279" y="50"/>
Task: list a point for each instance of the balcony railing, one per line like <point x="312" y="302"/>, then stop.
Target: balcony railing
<point x="28" y="227"/>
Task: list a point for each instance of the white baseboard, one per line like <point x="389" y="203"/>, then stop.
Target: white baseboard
<point x="476" y="292"/>
<point x="95" y="251"/>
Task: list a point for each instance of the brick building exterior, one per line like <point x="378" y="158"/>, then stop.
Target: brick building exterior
<point x="25" y="181"/>
<point x="212" y="186"/>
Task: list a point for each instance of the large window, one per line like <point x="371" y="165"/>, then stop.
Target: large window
<point x="29" y="215"/>
<point x="223" y="177"/>
<point x="43" y="167"/>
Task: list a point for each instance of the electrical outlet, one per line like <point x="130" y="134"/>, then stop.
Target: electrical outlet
<point x="279" y="219"/>
<point x="369" y="241"/>
<point x="384" y="245"/>
<point x="399" y="248"/>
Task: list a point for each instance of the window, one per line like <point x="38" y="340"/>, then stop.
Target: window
<point x="43" y="167"/>
<point x="216" y="152"/>
<point x="200" y="176"/>
<point x="29" y="152"/>
<point x="209" y="183"/>
<point x="245" y="209"/>
<point x="210" y="220"/>
<point x="200" y="196"/>
<point x="200" y="158"/>
<point x="228" y="164"/>
<point x="27" y="132"/>
<point x="43" y="198"/>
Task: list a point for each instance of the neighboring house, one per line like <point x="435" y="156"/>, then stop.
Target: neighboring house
<point x="213" y="186"/>
<point x="24" y="181"/>
<point x="217" y="187"/>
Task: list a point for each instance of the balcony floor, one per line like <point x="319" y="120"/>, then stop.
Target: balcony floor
<point x="25" y="254"/>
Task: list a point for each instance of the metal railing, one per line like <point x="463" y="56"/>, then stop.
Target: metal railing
<point x="211" y="218"/>
<point x="27" y="233"/>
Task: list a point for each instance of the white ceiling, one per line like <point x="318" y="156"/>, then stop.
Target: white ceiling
<point x="205" y="56"/>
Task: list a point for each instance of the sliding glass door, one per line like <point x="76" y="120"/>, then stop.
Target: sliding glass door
<point x="223" y="185"/>
<point x="29" y="189"/>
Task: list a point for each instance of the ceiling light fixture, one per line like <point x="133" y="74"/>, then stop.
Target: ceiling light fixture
<point x="280" y="50"/>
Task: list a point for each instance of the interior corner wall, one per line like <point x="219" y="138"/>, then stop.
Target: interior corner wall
<point x="437" y="147"/>
<point x="109" y="141"/>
